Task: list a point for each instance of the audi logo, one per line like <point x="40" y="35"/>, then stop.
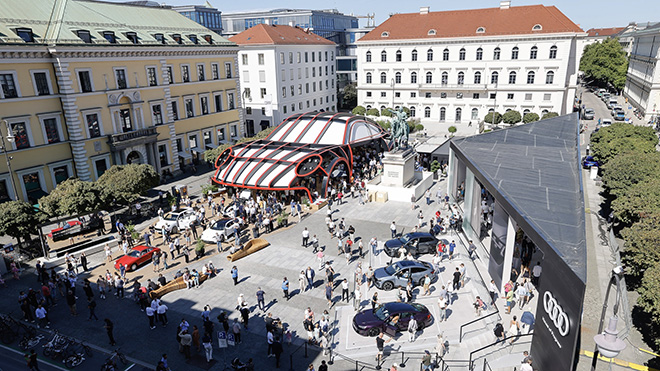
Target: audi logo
<point x="556" y="313"/>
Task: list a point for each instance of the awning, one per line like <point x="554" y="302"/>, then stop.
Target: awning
<point x="185" y="155"/>
<point x="211" y="146"/>
<point x="427" y="148"/>
<point x="197" y="150"/>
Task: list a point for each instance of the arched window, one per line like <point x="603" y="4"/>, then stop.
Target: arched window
<point x="398" y="55"/>
<point x="412" y="111"/>
<point x="553" y="52"/>
<point x="458" y="115"/>
<point x="427" y="112"/>
<point x="397" y="78"/>
<point x="445" y="78"/>
<point x="368" y="77"/>
<point x="368" y="107"/>
<point x="414" y="55"/>
<point x="443" y="114"/>
<point x="514" y="53"/>
<point x="530" y="77"/>
<point x="480" y="54"/>
<point x="429" y="55"/>
<point x="413" y="77"/>
<point x="477" y="77"/>
<point x="544" y="112"/>
<point x="383" y="56"/>
<point x="429" y="77"/>
<point x="525" y="111"/>
<point x="549" y="77"/>
<point x="382" y="108"/>
<point x="461" y="78"/>
<point x="494" y="77"/>
<point x="475" y="114"/>
<point x="431" y="32"/>
<point x="533" y="52"/>
<point x="368" y="56"/>
<point x="461" y="54"/>
<point x="496" y="54"/>
<point x="445" y="54"/>
<point x="383" y="78"/>
<point x="512" y="77"/>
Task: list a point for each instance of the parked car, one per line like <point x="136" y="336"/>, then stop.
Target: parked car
<point x="222" y="230"/>
<point x="415" y="243"/>
<point x="618" y="115"/>
<point x="589" y="161"/>
<point x="588" y="114"/>
<point x="371" y="322"/>
<point x="176" y="220"/>
<point x="136" y="256"/>
<point x="606" y="122"/>
<point x="397" y="274"/>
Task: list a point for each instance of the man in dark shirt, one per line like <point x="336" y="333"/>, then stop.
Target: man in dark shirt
<point x="277" y="350"/>
<point x="457" y="279"/>
<point x="161" y="280"/>
<point x="380" y="344"/>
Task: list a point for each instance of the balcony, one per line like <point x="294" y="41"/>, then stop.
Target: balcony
<point x="131" y="138"/>
<point x="454" y="86"/>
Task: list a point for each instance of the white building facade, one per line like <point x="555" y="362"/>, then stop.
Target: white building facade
<point x="443" y="76"/>
<point x="643" y="77"/>
<point x="284" y="75"/>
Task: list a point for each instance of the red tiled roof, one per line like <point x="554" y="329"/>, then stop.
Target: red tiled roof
<point x="464" y="23"/>
<point x="264" y="34"/>
<point x="604" y="31"/>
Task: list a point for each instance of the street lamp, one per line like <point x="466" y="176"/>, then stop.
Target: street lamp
<point x="607" y="343"/>
<point x="10" y="139"/>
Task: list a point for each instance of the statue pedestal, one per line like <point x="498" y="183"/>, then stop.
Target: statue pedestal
<point x="398" y="168"/>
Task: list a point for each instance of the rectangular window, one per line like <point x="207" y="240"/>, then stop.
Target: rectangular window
<point x="413" y="95"/>
<point x="120" y="75"/>
<point x="284" y="109"/>
<point x="207" y="138"/>
<point x="157" y="114"/>
<point x="306" y="57"/>
<point x="101" y="166"/>
<point x="244" y="59"/>
<point x="190" y="110"/>
<point x="228" y="70"/>
<point x="160" y="38"/>
<point x="293" y="91"/>
<point x="204" y="103"/>
<point x="313" y="72"/>
<point x="291" y="73"/>
<point x="151" y="76"/>
<point x="443" y="95"/>
<point x="85" y="81"/>
<point x="313" y="57"/>
<point x="383" y="94"/>
<point x="218" y="103"/>
<point x="133" y="37"/>
<point x="368" y="94"/>
<point x="546" y="96"/>
<point x="248" y="110"/>
<point x="230" y="101"/>
<point x="93" y="126"/>
<point x="175" y="110"/>
<point x="397" y="95"/>
<point x="492" y="95"/>
<point x="221" y="135"/>
<point x="52" y="132"/>
<point x="233" y="130"/>
<point x="281" y="58"/>
<point x="284" y="92"/>
<point x="262" y="76"/>
<point x="290" y="57"/>
<point x="200" y="72"/>
<point x="125" y="118"/>
<point x="215" y="71"/>
<point x="41" y="81"/>
<point x="528" y="96"/>
<point x="298" y="58"/>
<point x="459" y="95"/>
<point x="32" y="186"/>
<point x="170" y="75"/>
<point x="162" y="155"/>
<point x="260" y="57"/>
<point x="509" y="96"/>
<point x="427" y="95"/>
<point x="306" y="88"/>
<point x="263" y="92"/>
<point x="185" y="74"/>
<point x="61" y="173"/>
<point x="475" y="95"/>
<point x="110" y="36"/>
<point x="85" y="36"/>
<point x="21" y="139"/>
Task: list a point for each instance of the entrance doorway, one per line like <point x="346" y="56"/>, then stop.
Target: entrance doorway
<point x="134" y="158"/>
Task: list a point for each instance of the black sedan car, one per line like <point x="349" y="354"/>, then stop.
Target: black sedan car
<point x="391" y="318"/>
<point x="416" y="243"/>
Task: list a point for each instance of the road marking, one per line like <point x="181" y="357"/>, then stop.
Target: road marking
<point x="42" y="360"/>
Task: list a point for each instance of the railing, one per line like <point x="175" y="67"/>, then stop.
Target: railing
<point x="486" y="366"/>
<point x="473" y="358"/>
<point x="460" y="332"/>
<point x="116" y="138"/>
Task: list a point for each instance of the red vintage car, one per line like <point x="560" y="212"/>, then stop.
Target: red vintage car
<point x="136" y="256"/>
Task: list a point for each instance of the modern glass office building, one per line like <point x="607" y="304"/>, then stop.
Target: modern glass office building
<point x="206" y="16"/>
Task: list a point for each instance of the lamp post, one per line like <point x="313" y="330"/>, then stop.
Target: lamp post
<point x="607" y="343"/>
<point x="10" y="139"/>
<point x="392" y="92"/>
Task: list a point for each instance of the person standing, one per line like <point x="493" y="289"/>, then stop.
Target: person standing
<point x="426" y="361"/>
<point x="452" y="247"/>
<point x="186" y="340"/>
<point x="393" y="229"/>
<point x="380" y="345"/>
<point x="109" y="327"/>
<point x="260" y="299"/>
<point x="208" y="347"/>
<point x="162" y="312"/>
<point x="427" y="194"/>
<point x="412" y="329"/>
<point x="492" y="289"/>
<point x="277" y="350"/>
<point x="305" y="237"/>
<point x="91" y="304"/>
<point x="71" y="302"/>
<point x="236" y="330"/>
<point x="234" y="275"/>
<point x="442" y="305"/>
<point x="427" y="285"/>
<point x="457" y="280"/>
<point x="472" y="249"/>
<point x="328" y="293"/>
<point x="461" y="269"/>
<point x="31" y="359"/>
<point x="285" y="288"/>
<point x="358" y="297"/>
<point x="309" y="274"/>
<point x="374" y="301"/>
<point x="151" y="314"/>
<point x="536" y="274"/>
<point x="83" y="261"/>
<point x="344" y="290"/>
<point x="42" y="317"/>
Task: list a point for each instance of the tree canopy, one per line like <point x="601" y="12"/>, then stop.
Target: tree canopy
<point x="125" y="183"/>
<point x="627" y="169"/>
<point x="72" y="197"/>
<point x="621" y="138"/>
<point x="642" y="244"/>
<point x="373" y="112"/>
<point x="359" y="110"/>
<point x="349" y="95"/>
<point x="489" y="118"/>
<point x="549" y="115"/>
<point x="530" y="117"/>
<point x="605" y="63"/>
<point x="511" y="117"/>
<point x="641" y="200"/>
<point x="19" y="219"/>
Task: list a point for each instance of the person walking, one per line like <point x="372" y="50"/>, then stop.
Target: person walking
<point x="71" y="302"/>
<point x="234" y="275"/>
<point x="109" y="327"/>
<point x="412" y="329"/>
<point x="374" y="301"/>
<point x="457" y="280"/>
<point x="42" y="317"/>
<point x="208" y="347"/>
<point x="301" y="281"/>
<point x="492" y="289"/>
<point x="31" y="359"/>
<point x="260" y="299"/>
<point x="328" y="293"/>
<point x="358" y="297"/>
<point x="427" y="285"/>
<point x="285" y="288"/>
<point x="83" y="261"/>
<point x="426" y="361"/>
<point x="309" y="273"/>
<point x="452" y="247"/>
<point x="380" y="345"/>
<point x="442" y="305"/>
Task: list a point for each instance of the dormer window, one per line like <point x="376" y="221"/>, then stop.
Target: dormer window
<point x="193" y="38"/>
<point x="481" y="30"/>
<point x="385" y="34"/>
<point x="85" y="36"/>
<point x="177" y="38"/>
<point x="537" y="27"/>
<point x="110" y="36"/>
<point x="208" y="38"/>
<point x="160" y="38"/>
<point x="431" y="32"/>
<point x="133" y="37"/>
<point x="25" y="34"/>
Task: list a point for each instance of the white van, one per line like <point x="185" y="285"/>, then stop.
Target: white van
<point x="612" y="102"/>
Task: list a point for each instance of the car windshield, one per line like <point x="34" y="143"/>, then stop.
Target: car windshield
<point x="589" y="110"/>
<point x="171" y="216"/>
<point x="382" y="313"/>
<point x="417" y="306"/>
<point x="220" y="224"/>
<point x="134" y="254"/>
<point x="390" y="270"/>
<point x="405" y="238"/>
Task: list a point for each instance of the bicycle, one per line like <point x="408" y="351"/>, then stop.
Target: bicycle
<point x="78" y="356"/>
<point x="110" y="363"/>
<point x="56" y="346"/>
<point x="28" y="342"/>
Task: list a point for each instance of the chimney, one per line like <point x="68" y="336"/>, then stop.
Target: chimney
<point x="424" y="10"/>
<point x="505" y="4"/>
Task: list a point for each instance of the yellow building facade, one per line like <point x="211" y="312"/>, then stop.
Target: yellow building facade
<point x="81" y="92"/>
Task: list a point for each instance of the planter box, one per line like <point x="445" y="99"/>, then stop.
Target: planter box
<point x="318" y="205"/>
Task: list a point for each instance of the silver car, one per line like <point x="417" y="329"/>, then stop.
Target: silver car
<point x="397" y="274"/>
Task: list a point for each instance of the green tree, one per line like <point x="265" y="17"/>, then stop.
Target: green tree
<point x="489" y="118"/>
<point x="19" y="219"/>
<point x="530" y="117"/>
<point x="72" y="197"/>
<point x="406" y="110"/>
<point x="373" y="112"/>
<point x="649" y="296"/>
<point x="125" y="183"/>
<point x="511" y="117"/>
<point x="641" y="200"/>
<point x="349" y="95"/>
<point x="359" y="110"/>
<point x="642" y="245"/>
<point x="622" y="138"/>
<point x="627" y="169"/>
<point x="386" y="112"/>
<point x="605" y="63"/>
<point x="549" y="115"/>
<point x="452" y="130"/>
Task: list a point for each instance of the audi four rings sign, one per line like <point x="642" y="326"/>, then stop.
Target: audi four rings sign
<point x="556" y="313"/>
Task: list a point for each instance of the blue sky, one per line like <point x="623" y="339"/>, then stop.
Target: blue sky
<point x="586" y="13"/>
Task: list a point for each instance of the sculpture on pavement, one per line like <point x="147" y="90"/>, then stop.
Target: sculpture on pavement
<point x="400" y="130"/>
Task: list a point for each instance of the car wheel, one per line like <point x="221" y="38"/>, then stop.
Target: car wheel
<point x="373" y="332"/>
<point x="174" y="230"/>
<point x="421" y="282"/>
<point x="387" y="286"/>
<point x="133" y="267"/>
<point x="420" y="326"/>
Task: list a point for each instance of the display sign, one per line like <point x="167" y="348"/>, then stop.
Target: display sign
<point x="222" y="339"/>
<point x="230" y="339"/>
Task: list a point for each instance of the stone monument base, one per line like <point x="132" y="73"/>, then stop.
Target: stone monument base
<point x="398" y="168"/>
